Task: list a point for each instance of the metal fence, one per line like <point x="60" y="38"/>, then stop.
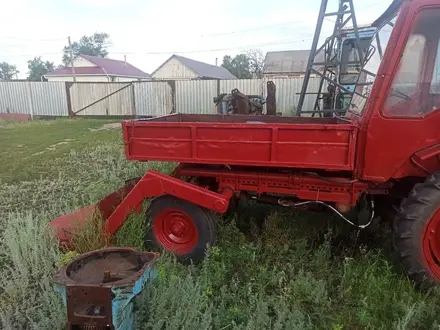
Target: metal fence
<point x="246" y="86"/>
<point x="34" y="98"/>
<point x="196" y="96"/>
<point x="287" y="94"/>
<point x="152" y="98"/>
<point x="102" y="99"/>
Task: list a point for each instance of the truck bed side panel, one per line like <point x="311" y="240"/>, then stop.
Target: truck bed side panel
<point x="321" y="146"/>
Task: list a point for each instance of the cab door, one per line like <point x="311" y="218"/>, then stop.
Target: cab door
<point x="406" y="118"/>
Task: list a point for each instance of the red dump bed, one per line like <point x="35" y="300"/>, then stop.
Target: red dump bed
<point x="295" y="142"/>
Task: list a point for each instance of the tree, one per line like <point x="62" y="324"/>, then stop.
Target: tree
<point x="238" y="65"/>
<point x="95" y="45"/>
<point x="246" y="65"/>
<point x="256" y="62"/>
<point x="7" y="71"/>
<point x="38" y="68"/>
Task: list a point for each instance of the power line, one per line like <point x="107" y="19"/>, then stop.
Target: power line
<point x="203" y="35"/>
<point x="279" y="42"/>
<point x="31" y="39"/>
<point x="276" y="25"/>
<point x="189" y="51"/>
<point x="251" y="29"/>
<point x="29" y="55"/>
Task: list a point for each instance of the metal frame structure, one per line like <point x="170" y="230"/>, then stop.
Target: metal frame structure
<point x="332" y="59"/>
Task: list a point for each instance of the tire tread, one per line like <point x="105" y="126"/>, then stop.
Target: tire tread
<point x="413" y="214"/>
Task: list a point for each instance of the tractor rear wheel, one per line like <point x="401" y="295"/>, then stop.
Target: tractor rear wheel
<point x="417" y="233"/>
<point x="180" y="227"/>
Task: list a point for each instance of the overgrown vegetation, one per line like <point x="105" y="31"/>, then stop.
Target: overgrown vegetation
<point x="270" y="269"/>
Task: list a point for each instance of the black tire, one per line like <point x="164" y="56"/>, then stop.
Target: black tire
<point x="413" y="216"/>
<point x="202" y="219"/>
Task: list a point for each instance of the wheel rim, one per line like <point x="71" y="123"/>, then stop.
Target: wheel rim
<point x="175" y="231"/>
<point x="431" y="244"/>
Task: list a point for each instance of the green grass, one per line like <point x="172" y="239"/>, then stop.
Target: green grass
<point x="27" y="150"/>
<point x="270" y="269"/>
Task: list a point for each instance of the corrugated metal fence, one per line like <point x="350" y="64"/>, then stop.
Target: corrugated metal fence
<point x="246" y="86"/>
<point x="33" y="98"/>
<point x="102" y="99"/>
<point x="287" y="94"/>
<point x="153" y="98"/>
<point x="196" y="96"/>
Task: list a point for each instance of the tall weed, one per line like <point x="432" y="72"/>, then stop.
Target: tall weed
<point x="29" y="257"/>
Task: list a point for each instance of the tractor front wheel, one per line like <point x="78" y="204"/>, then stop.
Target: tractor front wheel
<point x="417" y="233"/>
<point x="181" y="227"/>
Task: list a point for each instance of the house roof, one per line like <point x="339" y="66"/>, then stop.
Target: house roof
<point x="288" y="61"/>
<point x="104" y="66"/>
<point x="204" y="70"/>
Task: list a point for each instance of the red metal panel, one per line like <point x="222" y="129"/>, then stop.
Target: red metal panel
<point x="162" y="143"/>
<point x="234" y="133"/>
<point x="233" y="152"/>
<point x="386" y="145"/>
<point x="116" y="207"/>
<point x="313" y="146"/>
<point x="154" y="184"/>
<point x="432" y="151"/>
<point x="304" y="187"/>
<point x="298" y="144"/>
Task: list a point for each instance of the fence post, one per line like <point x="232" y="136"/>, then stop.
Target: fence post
<point x="133" y="99"/>
<point x="70" y="112"/>
<point x="30" y="100"/>
<point x="172" y="84"/>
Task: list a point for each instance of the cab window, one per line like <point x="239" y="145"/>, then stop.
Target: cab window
<point x="349" y="69"/>
<point x="415" y="89"/>
<point x="435" y="81"/>
<point x="379" y="44"/>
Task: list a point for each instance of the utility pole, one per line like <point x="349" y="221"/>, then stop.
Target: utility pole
<point x="71" y="59"/>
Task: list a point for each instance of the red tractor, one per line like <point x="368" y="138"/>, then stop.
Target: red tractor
<point x="384" y="153"/>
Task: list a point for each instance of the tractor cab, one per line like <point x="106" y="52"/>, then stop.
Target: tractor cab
<point x="400" y="115"/>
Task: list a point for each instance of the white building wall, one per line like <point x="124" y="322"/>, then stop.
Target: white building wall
<point x="97" y="78"/>
<point x="123" y="79"/>
<point x="174" y="69"/>
<point x="81" y="62"/>
<point x="80" y="78"/>
<point x="128" y="79"/>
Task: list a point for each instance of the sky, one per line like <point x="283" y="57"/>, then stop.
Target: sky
<point x="148" y="32"/>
